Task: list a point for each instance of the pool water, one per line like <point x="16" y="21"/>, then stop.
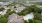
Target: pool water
<point x="28" y="16"/>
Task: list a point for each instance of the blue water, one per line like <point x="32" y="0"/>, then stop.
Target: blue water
<point x="29" y="16"/>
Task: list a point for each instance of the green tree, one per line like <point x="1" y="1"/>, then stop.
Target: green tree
<point x="37" y="21"/>
<point x="37" y="16"/>
<point x="3" y="19"/>
<point x="30" y="21"/>
<point x="25" y="21"/>
<point x="1" y="9"/>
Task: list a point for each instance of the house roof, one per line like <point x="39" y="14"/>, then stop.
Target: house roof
<point x="19" y="8"/>
<point x="15" y="18"/>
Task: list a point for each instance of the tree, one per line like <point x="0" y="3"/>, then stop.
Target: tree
<point x="25" y="21"/>
<point x="23" y="12"/>
<point x="1" y="9"/>
<point x="37" y="16"/>
<point x="38" y="10"/>
<point x="3" y="20"/>
<point x="30" y="21"/>
<point x="37" y="21"/>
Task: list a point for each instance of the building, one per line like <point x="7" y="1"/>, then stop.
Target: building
<point x="28" y="4"/>
<point x="4" y="3"/>
<point x="14" y="18"/>
<point x="4" y="11"/>
<point x="19" y="8"/>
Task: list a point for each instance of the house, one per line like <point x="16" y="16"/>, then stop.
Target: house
<point x="19" y="8"/>
<point x="4" y="10"/>
<point x="14" y="18"/>
<point x="28" y="4"/>
<point x="4" y="3"/>
<point x="41" y="15"/>
<point x="11" y="7"/>
<point x="0" y="12"/>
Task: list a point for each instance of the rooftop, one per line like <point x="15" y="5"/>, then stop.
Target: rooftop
<point x="14" y="18"/>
